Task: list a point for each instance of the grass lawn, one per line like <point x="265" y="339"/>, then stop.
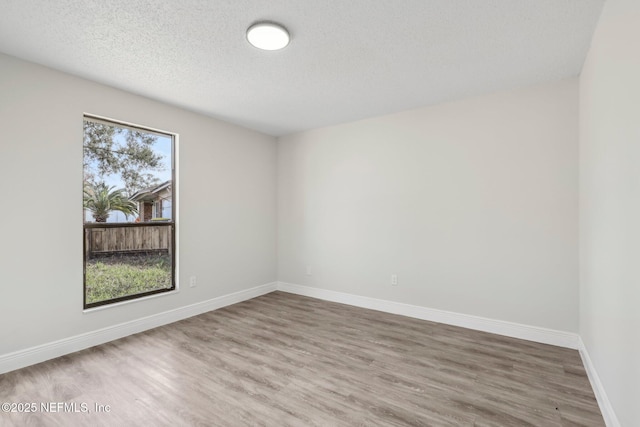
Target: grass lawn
<point x="123" y="275"/>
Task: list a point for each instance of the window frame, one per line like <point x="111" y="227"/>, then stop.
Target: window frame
<point x="172" y="223"/>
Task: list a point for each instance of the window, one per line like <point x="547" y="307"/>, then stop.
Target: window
<point x="129" y="218"/>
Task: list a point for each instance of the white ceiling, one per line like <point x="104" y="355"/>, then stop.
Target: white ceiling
<point x="348" y="59"/>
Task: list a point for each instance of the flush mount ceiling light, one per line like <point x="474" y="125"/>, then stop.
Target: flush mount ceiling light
<point x="268" y="36"/>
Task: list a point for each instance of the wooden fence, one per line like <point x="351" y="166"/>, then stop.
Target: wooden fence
<point x="127" y="239"/>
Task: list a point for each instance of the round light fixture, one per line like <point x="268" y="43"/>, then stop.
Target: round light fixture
<point x="268" y="36"/>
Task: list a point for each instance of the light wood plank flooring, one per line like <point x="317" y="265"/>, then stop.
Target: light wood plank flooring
<point x="287" y="360"/>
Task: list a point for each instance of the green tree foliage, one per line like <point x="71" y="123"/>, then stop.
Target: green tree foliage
<point x="100" y="200"/>
<point x="110" y="150"/>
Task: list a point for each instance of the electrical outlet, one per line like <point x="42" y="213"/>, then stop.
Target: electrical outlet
<point x="309" y="272"/>
<point x="193" y="281"/>
<point x="394" y="280"/>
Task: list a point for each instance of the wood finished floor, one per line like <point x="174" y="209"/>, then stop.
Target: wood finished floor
<point x="287" y="360"/>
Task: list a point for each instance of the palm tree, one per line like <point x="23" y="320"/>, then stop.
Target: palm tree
<point x="100" y="200"/>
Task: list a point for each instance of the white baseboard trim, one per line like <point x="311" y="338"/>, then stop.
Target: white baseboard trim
<point x="44" y="352"/>
<point x="41" y="353"/>
<point x="610" y="418"/>
<point x="500" y="327"/>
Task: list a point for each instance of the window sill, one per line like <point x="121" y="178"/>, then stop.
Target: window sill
<point x="117" y="304"/>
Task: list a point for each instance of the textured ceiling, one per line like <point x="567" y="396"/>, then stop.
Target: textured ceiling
<point x="348" y="59"/>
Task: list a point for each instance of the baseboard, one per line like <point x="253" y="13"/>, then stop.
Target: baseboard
<point x="41" y="353"/>
<point x="500" y="327"/>
<point x="610" y="418"/>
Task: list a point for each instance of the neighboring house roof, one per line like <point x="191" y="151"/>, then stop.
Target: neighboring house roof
<point x="148" y="194"/>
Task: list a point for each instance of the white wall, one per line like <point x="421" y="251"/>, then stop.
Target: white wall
<point x="610" y="206"/>
<point x="227" y="204"/>
<point x="472" y="204"/>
